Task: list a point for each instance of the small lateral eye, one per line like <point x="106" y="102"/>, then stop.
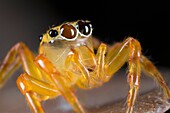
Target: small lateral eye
<point x="68" y="31"/>
<point x="53" y="33"/>
<point x="40" y="38"/>
<point x="84" y="27"/>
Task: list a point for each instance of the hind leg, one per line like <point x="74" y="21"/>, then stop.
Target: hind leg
<point x="152" y="71"/>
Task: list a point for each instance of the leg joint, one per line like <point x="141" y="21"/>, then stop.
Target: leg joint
<point x="133" y="42"/>
<point x="19" y="45"/>
<point x="22" y="84"/>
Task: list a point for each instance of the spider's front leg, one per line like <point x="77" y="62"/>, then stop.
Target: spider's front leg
<point x="35" y="91"/>
<point x="39" y="82"/>
<point x="19" y="55"/>
<point x="60" y="82"/>
<point x="130" y="51"/>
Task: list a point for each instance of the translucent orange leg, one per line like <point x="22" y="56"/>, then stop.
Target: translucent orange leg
<point x="102" y="60"/>
<point x="35" y="91"/>
<point x="8" y="66"/>
<point x="92" y="77"/>
<point x="60" y="82"/>
<point x="19" y="54"/>
<point x="129" y="51"/>
<point x="151" y="70"/>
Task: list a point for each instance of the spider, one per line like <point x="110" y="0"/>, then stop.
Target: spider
<point x="67" y="59"/>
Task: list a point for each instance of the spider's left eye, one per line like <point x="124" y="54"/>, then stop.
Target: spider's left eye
<point x="84" y="27"/>
<point x="53" y="33"/>
<point x="68" y="31"/>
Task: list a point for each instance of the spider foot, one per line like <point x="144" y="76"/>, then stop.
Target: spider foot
<point x="129" y="110"/>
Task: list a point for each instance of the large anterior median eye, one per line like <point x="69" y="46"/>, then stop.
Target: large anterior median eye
<point x="68" y="31"/>
<point x="84" y="27"/>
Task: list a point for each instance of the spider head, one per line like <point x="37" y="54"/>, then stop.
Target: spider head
<point x="57" y="42"/>
<point x="69" y="31"/>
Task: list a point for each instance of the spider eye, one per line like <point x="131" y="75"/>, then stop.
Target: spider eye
<point x="68" y="31"/>
<point x="40" y="38"/>
<point x="53" y="33"/>
<point x="84" y="27"/>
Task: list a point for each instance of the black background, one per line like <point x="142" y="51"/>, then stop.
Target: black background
<point x="112" y="21"/>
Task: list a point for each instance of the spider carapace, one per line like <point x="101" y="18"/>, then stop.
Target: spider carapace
<point x="67" y="59"/>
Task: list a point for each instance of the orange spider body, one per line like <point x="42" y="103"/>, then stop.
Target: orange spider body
<point x="67" y="59"/>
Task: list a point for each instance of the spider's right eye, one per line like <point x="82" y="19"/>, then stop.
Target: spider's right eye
<point x="53" y="33"/>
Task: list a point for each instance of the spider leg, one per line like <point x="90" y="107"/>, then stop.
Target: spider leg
<point x="129" y="51"/>
<point x="101" y="60"/>
<point x="8" y="66"/>
<point x="35" y="91"/>
<point x="152" y="71"/>
<point x="91" y="67"/>
<point x="18" y="54"/>
<point x="60" y="82"/>
<point x="21" y="55"/>
<point x="95" y="75"/>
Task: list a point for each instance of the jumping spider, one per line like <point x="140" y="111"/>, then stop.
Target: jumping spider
<point x="66" y="58"/>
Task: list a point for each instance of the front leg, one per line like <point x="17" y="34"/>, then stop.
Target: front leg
<point x="129" y="51"/>
<point x="21" y="55"/>
<point x="60" y="82"/>
<point x="18" y="55"/>
<point x="35" y="91"/>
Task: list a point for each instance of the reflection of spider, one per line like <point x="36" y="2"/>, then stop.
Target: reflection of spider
<point x="67" y="59"/>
